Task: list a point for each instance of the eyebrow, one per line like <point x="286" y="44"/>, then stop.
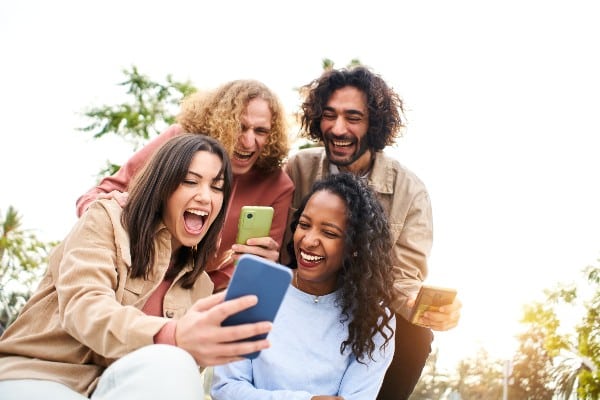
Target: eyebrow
<point x="195" y="173"/>
<point x="329" y="224"/>
<point x="350" y="111"/>
<point x="216" y="178"/>
<point x="333" y="226"/>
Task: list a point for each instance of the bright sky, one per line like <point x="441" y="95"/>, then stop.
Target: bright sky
<point x="502" y="99"/>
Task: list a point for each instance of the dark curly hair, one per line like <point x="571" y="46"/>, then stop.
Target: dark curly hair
<point x="149" y="193"/>
<point x="365" y="279"/>
<point x="386" y="110"/>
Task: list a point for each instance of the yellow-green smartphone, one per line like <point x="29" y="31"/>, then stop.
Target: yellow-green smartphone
<point x="431" y="298"/>
<point x="254" y="222"/>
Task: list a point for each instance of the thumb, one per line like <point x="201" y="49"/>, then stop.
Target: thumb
<point x="209" y="302"/>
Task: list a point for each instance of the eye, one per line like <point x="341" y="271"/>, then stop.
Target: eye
<point x="189" y="182"/>
<point x="331" y="234"/>
<point x="329" y="115"/>
<point x="218" y="185"/>
<point x="262" y="131"/>
<point x="303" y="225"/>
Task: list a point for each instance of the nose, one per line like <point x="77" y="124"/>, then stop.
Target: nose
<point x="247" y="138"/>
<point x="203" y="194"/>
<point x="339" y="126"/>
<point x="311" y="240"/>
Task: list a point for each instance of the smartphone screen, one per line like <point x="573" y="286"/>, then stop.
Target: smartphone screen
<point x="268" y="280"/>
<point x="255" y="221"/>
<point x="431" y="298"/>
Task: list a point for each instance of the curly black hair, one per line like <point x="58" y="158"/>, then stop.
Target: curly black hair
<point x="386" y="109"/>
<point x="365" y="279"/>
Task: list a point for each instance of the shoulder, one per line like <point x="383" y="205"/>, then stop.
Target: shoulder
<point x="167" y="134"/>
<point x="103" y="219"/>
<point x="389" y="175"/>
<point x="301" y="161"/>
<point x="308" y="154"/>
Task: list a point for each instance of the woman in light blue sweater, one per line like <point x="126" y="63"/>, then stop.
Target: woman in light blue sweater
<point x="332" y="335"/>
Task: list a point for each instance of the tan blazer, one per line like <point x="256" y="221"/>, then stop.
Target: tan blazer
<point x="405" y="201"/>
<point x="86" y="313"/>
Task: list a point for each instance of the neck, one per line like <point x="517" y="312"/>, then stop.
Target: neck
<point x="309" y="288"/>
<point x="362" y="166"/>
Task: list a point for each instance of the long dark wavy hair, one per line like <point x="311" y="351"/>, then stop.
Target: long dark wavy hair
<point x="386" y="109"/>
<point x="148" y="195"/>
<point x="365" y="280"/>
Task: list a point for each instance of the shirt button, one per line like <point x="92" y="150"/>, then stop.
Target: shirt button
<point x="170" y="314"/>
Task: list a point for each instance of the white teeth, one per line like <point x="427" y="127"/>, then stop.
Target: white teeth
<point x="308" y="257"/>
<point x="342" y="143"/>
<point x="198" y="212"/>
<point x="244" y="153"/>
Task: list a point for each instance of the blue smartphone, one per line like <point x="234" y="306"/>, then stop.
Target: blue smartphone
<point x="266" y="279"/>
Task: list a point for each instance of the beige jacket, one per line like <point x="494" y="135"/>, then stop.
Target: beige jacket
<point x="405" y="201"/>
<point x="87" y="311"/>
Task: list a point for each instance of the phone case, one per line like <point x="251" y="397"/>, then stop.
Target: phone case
<point x="255" y="221"/>
<point x="264" y="278"/>
<point x="431" y="298"/>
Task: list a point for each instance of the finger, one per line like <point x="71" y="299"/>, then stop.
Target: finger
<point x="239" y="349"/>
<point x="455" y="306"/>
<point x="272" y="255"/>
<point x="209" y="302"/>
<point x="265" y="242"/>
<point x="221" y="311"/>
<point x="241" y="332"/>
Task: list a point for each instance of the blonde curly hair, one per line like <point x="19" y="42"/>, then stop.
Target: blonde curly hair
<point x="217" y="114"/>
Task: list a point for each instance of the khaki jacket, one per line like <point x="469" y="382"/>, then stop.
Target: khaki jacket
<point x="86" y="312"/>
<point x="405" y="201"/>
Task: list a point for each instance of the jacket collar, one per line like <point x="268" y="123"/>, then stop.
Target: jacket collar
<point x="381" y="177"/>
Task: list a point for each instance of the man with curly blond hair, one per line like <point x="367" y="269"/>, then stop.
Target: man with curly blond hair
<point x="248" y="119"/>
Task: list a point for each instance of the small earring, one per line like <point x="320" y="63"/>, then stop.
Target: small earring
<point x="355" y="254"/>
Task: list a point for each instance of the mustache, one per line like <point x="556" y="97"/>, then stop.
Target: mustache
<point x="331" y="137"/>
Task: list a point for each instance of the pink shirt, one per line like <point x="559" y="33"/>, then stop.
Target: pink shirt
<point x="254" y="188"/>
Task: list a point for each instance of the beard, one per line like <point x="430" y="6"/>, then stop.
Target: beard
<point x="361" y="149"/>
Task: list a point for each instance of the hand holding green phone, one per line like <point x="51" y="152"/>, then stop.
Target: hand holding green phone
<point x="254" y="222"/>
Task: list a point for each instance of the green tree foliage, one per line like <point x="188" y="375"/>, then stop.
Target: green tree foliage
<point x="531" y="376"/>
<point x="136" y="120"/>
<point x="22" y="259"/>
<point x="574" y="351"/>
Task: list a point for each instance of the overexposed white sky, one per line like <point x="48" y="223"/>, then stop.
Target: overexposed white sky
<point x="502" y="100"/>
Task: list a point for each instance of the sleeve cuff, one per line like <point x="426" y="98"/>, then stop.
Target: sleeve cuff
<point x="166" y="335"/>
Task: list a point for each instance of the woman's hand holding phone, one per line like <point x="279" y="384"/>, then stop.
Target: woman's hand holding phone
<point x="200" y="331"/>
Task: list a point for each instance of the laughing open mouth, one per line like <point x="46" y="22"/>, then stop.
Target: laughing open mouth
<point x="194" y="220"/>
<point x="342" y="143"/>
<point x="311" y="258"/>
<point x="242" y="155"/>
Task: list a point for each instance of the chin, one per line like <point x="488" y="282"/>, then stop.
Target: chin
<point x="240" y="170"/>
